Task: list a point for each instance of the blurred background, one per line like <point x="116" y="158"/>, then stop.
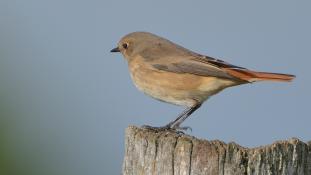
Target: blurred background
<point x="65" y="100"/>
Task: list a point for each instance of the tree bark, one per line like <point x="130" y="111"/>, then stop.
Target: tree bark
<point x="150" y="152"/>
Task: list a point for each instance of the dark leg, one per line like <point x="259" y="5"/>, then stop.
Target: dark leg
<point x="175" y="125"/>
<point x="182" y="117"/>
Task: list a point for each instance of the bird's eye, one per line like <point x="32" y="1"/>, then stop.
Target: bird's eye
<point x="125" y="45"/>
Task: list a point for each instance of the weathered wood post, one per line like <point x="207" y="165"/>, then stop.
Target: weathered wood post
<point x="167" y="153"/>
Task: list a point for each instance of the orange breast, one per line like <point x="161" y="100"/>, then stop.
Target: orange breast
<point x="180" y="89"/>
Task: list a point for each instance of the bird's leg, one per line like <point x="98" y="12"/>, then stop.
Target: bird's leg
<point x="168" y="126"/>
<point x="175" y="124"/>
<point x="182" y="117"/>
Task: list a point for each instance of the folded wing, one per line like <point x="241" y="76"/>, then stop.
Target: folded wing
<point x="208" y="66"/>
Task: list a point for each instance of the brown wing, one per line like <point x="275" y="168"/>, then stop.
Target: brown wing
<point x="193" y="67"/>
<point x="197" y="65"/>
<point x="216" y="62"/>
<point x="174" y="58"/>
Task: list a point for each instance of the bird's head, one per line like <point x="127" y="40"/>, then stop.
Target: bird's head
<point x="138" y="42"/>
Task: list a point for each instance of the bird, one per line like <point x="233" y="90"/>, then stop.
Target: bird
<point x="171" y="73"/>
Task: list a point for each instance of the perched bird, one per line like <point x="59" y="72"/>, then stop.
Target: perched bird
<point x="171" y="73"/>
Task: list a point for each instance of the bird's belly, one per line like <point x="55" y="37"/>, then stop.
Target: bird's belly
<point x="179" y="89"/>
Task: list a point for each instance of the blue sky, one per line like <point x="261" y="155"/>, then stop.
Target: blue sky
<point x="66" y="99"/>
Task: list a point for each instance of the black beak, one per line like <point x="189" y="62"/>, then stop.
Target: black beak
<point x="115" y="50"/>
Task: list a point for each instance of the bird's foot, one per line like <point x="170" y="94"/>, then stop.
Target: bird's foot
<point x="177" y="129"/>
<point x="154" y="128"/>
<point x="182" y="128"/>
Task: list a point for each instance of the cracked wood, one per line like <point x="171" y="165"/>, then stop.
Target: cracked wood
<point x="167" y="153"/>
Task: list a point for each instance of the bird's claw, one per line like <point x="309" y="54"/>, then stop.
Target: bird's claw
<point x="154" y="128"/>
<point x="177" y="129"/>
<point x="184" y="128"/>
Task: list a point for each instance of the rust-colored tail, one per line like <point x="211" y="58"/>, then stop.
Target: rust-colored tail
<point x="252" y="76"/>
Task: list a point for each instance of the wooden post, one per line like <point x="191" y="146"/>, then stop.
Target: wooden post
<point x="167" y="153"/>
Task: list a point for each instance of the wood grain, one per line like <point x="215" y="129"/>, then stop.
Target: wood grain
<point x="155" y="153"/>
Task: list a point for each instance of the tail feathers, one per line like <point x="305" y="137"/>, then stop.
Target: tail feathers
<point x="252" y="76"/>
